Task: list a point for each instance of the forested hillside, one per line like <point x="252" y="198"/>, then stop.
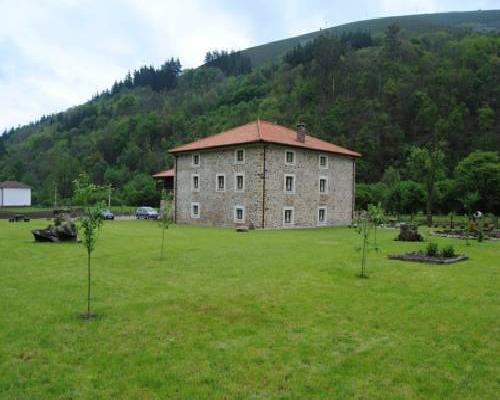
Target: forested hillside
<point x="471" y="21"/>
<point x="380" y="95"/>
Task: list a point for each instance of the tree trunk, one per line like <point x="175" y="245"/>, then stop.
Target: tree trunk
<point x="429" y="210"/>
<point x="162" y="242"/>
<point x="88" y="288"/>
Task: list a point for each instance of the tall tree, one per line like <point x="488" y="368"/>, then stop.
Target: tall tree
<point x="426" y="165"/>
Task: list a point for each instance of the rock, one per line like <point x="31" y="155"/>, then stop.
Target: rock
<point x="63" y="230"/>
<point x="409" y="233"/>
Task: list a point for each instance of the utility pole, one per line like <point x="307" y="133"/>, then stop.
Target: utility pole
<point x="109" y="197"/>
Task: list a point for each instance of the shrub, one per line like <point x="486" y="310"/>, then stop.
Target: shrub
<point x="448" y="251"/>
<point x="432" y="249"/>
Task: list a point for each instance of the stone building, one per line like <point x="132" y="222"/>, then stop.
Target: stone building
<point x="264" y="175"/>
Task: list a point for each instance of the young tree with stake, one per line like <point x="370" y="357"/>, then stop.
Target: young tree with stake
<point x="89" y="224"/>
<point x="165" y="220"/>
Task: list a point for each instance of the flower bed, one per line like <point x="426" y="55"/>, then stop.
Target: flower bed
<point x="420" y="256"/>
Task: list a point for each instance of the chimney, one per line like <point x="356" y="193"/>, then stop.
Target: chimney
<point x="301" y="132"/>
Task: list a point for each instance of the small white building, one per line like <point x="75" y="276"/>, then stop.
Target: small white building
<point x="14" y="194"/>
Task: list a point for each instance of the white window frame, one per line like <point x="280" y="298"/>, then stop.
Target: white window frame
<point x="326" y="215"/>
<point x="236" y="156"/>
<point x="326" y="184"/>
<point x="292" y="219"/>
<point x="236" y="220"/>
<point x="236" y="183"/>
<point x="319" y="161"/>
<point x="293" y="185"/>
<point x="195" y="203"/>
<point x="286" y="158"/>
<point x="193" y="189"/>
<point x="217" y="183"/>
<point x="192" y="160"/>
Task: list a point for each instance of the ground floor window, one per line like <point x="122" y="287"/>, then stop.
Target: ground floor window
<point x="195" y="210"/>
<point x="321" y="215"/>
<point x="288" y="217"/>
<point x="239" y="214"/>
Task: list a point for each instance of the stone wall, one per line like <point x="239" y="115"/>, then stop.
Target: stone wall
<point x="307" y="199"/>
<point x="218" y="207"/>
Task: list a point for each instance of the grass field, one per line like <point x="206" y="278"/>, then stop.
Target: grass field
<point x="258" y="315"/>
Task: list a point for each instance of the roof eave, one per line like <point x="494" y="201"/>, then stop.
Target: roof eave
<point x="180" y="150"/>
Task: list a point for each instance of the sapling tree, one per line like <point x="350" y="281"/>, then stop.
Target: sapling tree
<point x="364" y="231"/>
<point x="89" y="223"/>
<point x="165" y="220"/>
<point x="468" y="202"/>
<point x="368" y="223"/>
<point x="376" y="214"/>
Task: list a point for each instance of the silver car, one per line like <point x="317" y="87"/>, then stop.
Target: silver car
<point x="146" y="213"/>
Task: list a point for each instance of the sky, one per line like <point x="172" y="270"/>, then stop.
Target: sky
<point x="55" y="54"/>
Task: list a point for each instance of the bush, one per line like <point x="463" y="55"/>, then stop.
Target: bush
<point x="432" y="249"/>
<point x="448" y="251"/>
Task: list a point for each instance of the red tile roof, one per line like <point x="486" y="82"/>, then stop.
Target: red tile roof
<point x="263" y="131"/>
<point x="165" y="174"/>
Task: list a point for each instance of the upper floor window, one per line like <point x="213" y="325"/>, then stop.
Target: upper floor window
<point x="290" y="157"/>
<point x="220" y="183"/>
<point x="195" y="183"/>
<point x="323" y="162"/>
<point x="239" y="214"/>
<point x="239" y="183"/>
<point x="196" y="160"/>
<point x="323" y="184"/>
<point x="288" y="217"/>
<point x="239" y="156"/>
<point x="289" y="183"/>
<point x="195" y="210"/>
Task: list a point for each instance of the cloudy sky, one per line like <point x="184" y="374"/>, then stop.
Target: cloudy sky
<point x="57" y="53"/>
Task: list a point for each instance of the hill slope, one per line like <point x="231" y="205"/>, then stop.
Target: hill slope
<point x="477" y="21"/>
<point x="378" y="95"/>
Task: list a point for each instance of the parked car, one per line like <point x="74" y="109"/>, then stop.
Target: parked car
<point x="146" y="213"/>
<point x="107" y="214"/>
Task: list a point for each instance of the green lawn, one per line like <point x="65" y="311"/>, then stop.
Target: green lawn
<point x="258" y="315"/>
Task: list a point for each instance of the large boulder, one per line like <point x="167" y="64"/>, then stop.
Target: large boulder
<point x="409" y="233"/>
<point x="63" y="230"/>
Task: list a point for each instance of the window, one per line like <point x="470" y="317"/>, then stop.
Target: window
<point x="239" y="156"/>
<point x="239" y="183"/>
<point x="323" y="162"/>
<point x="239" y="214"/>
<point x="323" y="184"/>
<point x="289" y="183"/>
<point x="288" y="217"/>
<point x="196" y="160"/>
<point x="321" y="215"/>
<point x="220" y="183"/>
<point x="195" y="210"/>
<point x="195" y="183"/>
<point x="289" y="157"/>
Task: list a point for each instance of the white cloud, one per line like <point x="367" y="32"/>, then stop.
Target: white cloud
<point x="57" y="53"/>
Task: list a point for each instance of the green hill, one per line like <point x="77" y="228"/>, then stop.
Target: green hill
<point x="377" y="91"/>
<point x="476" y="21"/>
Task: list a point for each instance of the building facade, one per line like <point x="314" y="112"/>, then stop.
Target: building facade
<point x="14" y="193"/>
<point x="266" y="176"/>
